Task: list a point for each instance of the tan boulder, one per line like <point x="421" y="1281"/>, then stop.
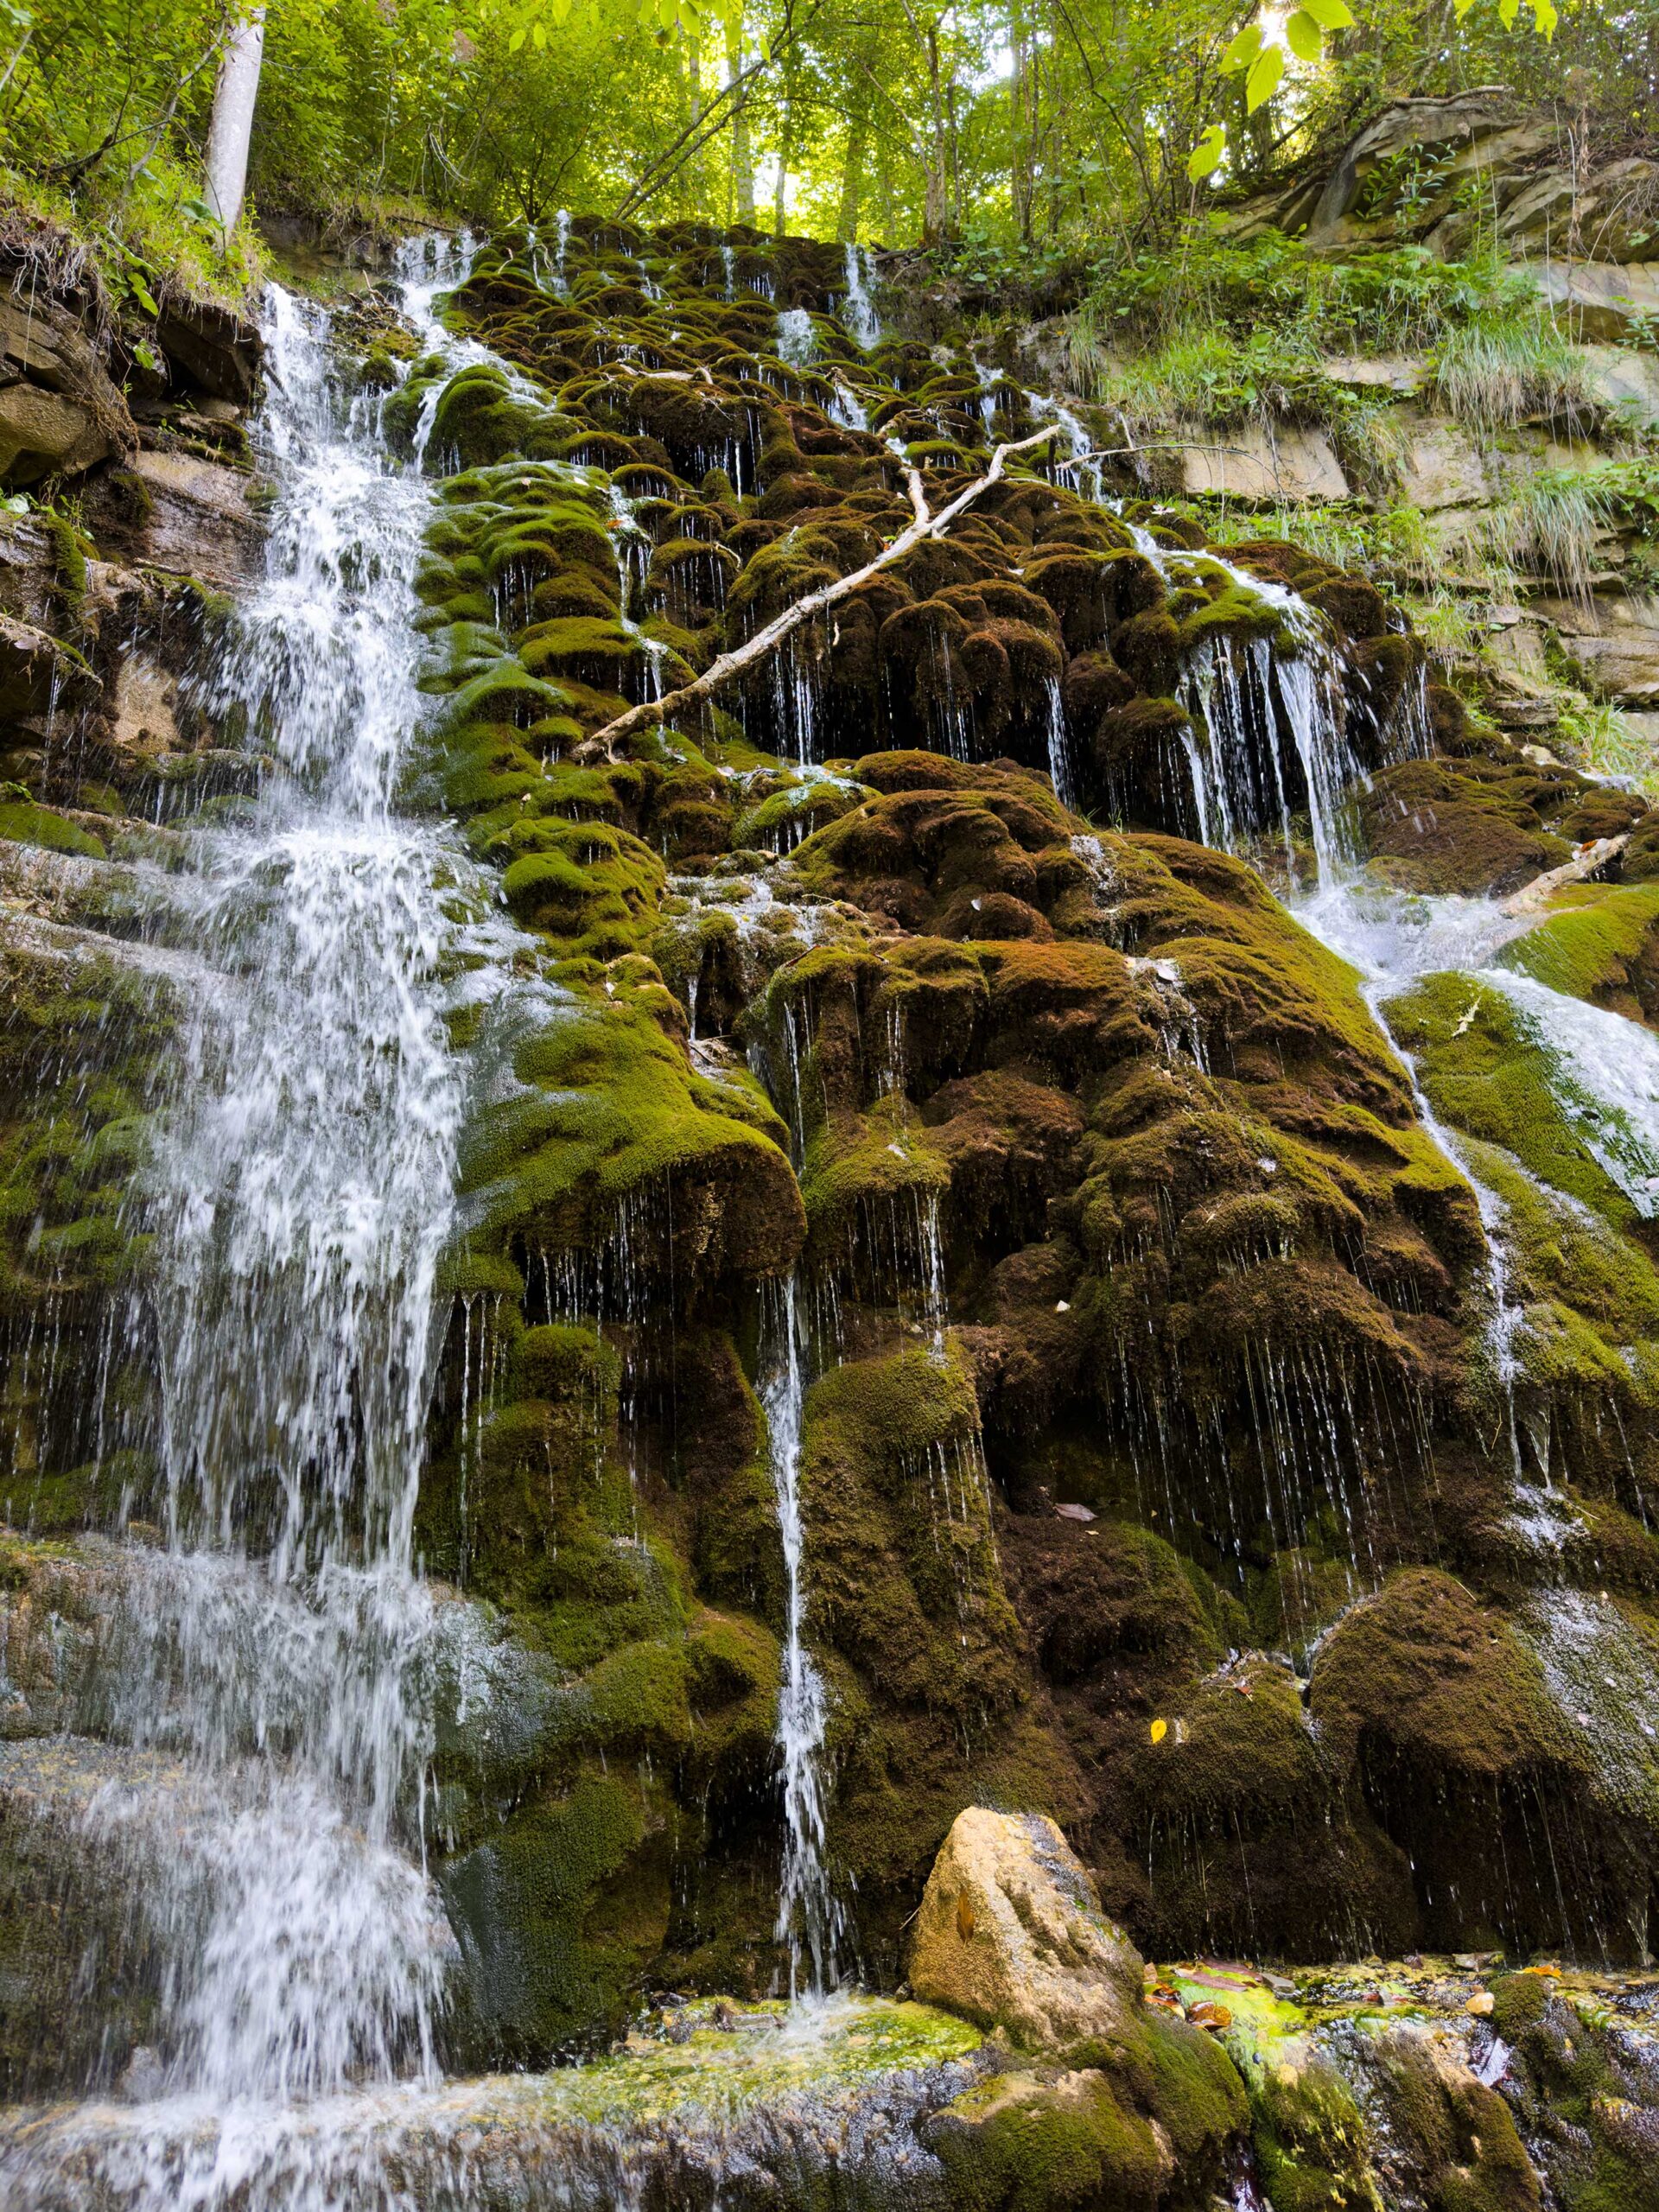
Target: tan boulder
<point x="1011" y="1935"/>
<point x="1604" y="299"/>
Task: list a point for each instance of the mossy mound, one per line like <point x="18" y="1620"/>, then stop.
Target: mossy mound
<point x="1485" y="822"/>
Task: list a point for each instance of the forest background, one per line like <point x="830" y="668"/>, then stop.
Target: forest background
<point x="1033" y="137"/>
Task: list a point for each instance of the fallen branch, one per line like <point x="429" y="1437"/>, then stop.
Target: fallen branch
<point x="926" y="524"/>
<point x="1534" y="897"/>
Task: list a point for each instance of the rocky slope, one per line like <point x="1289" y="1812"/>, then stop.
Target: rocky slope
<point x="1216" y="1431"/>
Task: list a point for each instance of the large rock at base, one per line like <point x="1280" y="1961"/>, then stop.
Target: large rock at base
<point x="1011" y="1935"/>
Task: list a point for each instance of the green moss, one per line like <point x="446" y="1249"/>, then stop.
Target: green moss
<point x="1599" y="944"/>
<point x="1019" y="2144"/>
<point x="1487" y="1071"/>
<point x="558" y="1913"/>
<point x="26" y="823"/>
<point x="611" y="1116"/>
<point x="1157" y="2127"/>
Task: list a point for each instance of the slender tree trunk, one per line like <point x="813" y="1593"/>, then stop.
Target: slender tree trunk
<point x="234" y="95"/>
<point x="785" y="154"/>
<point x="852" y="173"/>
<point x="936" y="208"/>
<point x="1019" y="147"/>
<point x="693" y="44"/>
<point x="742" y="191"/>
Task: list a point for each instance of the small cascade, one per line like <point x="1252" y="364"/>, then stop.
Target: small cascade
<point x="1059" y="748"/>
<point x="632" y="543"/>
<point x="858" y="312"/>
<point x="809" y="1919"/>
<point x="847" y="408"/>
<point x="1080" y="471"/>
<point x="987" y="373"/>
<point x="1393" y="939"/>
<point x="1606" y="1079"/>
<point x="796" y="697"/>
<point x="561" y="283"/>
<point x="797" y="337"/>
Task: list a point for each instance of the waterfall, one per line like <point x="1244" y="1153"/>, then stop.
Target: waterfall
<point x="272" y="1663"/>
<point x="858" y="311"/>
<point x="797" y="338"/>
<point x="1059" y="748"/>
<point x="808" y="1920"/>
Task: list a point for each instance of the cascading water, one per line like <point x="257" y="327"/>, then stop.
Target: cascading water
<point x="280" y="1649"/>
<point x="796" y="339"/>
<point x="808" y="1918"/>
<point x="858" y="310"/>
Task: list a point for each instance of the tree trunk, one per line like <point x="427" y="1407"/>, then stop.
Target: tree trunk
<point x="742" y="192"/>
<point x="234" y="95"/>
<point x="852" y="174"/>
<point x="936" y="206"/>
<point x="692" y="43"/>
<point x="1019" y="131"/>
<point x="785" y="154"/>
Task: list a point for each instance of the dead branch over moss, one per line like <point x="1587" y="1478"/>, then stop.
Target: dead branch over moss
<point x="926" y="524"/>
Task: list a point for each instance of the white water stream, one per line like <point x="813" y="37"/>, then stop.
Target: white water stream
<point x="280" y="1649"/>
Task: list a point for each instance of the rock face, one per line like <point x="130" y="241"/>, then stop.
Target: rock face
<point x="1011" y="1935"/>
<point x="60" y="413"/>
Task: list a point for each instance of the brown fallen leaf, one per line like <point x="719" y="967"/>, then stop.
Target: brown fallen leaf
<point x="1210" y="2015"/>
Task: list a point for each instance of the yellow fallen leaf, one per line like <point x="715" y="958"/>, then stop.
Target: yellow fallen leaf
<point x="1480" y="2004"/>
<point x="1159" y="1729"/>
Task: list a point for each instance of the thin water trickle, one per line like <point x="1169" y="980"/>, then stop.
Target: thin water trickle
<point x="808" y="1920"/>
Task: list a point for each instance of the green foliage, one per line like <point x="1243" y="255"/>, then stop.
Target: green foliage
<point x="1030" y="139"/>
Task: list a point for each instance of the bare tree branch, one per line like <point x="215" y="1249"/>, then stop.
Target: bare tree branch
<point x="926" y="524"/>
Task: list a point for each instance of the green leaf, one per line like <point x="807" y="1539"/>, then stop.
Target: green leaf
<point x="1507" y="12"/>
<point x="1545" y="18"/>
<point x="518" y="38"/>
<point x="1205" y="157"/>
<point x="1328" y="15"/>
<point x="1243" y="49"/>
<point x="1303" y="36"/>
<point x="1262" y="82"/>
<point x="538" y="35"/>
<point x="145" y="299"/>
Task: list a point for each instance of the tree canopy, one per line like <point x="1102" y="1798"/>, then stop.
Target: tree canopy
<point x="1040" y="128"/>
